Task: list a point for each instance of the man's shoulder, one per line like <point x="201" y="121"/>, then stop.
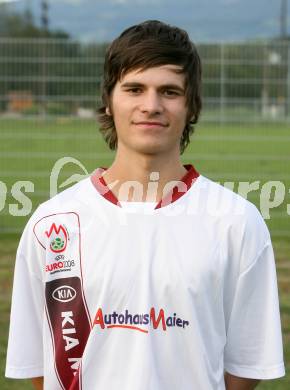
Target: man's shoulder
<point x="230" y="208"/>
<point x="67" y="200"/>
<point x="223" y="195"/>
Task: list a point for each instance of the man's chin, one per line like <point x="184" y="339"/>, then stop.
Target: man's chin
<point x="151" y="149"/>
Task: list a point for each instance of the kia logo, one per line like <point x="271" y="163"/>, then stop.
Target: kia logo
<point x="64" y="294"/>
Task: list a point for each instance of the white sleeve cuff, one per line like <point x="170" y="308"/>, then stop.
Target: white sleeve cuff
<point x="249" y="372"/>
<point x="23" y="373"/>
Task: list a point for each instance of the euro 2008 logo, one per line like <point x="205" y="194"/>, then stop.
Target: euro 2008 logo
<point x="58" y="238"/>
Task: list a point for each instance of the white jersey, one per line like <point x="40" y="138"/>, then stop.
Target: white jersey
<point x="109" y="295"/>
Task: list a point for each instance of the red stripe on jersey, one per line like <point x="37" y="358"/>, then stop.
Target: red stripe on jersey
<point x="188" y="179"/>
<point x="70" y="328"/>
<point x="68" y="319"/>
<point x="128" y="327"/>
<point x="102" y="187"/>
<point x="176" y="192"/>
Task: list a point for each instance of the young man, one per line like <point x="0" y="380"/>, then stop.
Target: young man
<point x="146" y="275"/>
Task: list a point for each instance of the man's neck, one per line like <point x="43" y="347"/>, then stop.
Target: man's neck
<point x="149" y="176"/>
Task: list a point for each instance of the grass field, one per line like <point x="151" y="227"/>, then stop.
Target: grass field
<point x="254" y="153"/>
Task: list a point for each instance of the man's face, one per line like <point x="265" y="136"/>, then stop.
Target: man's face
<point x="149" y="110"/>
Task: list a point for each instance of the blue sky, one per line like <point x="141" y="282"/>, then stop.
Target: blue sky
<point x="205" y="20"/>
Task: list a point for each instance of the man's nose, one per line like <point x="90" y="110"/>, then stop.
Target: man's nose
<point x="151" y="103"/>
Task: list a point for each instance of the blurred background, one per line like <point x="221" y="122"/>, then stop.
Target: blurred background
<point x="51" y="60"/>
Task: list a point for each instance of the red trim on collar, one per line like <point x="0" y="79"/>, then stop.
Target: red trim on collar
<point x="102" y="187"/>
<point x="180" y="189"/>
<point x="177" y="191"/>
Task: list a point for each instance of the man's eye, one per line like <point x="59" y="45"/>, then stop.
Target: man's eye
<point x="134" y="90"/>
<point x="169" y="92"/>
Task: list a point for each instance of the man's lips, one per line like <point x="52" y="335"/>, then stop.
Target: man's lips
<point x="150" y="124"/>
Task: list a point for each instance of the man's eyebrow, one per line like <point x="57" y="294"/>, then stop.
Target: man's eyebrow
<point x="134" y="84"/>
<point x="172" y="86"/>
<point x="131" y="84"/>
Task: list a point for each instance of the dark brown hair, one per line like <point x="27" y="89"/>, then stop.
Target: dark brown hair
<point x="146" y="45"/>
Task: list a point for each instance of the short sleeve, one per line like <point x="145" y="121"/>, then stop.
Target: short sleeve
<point x="25" y="348"/>
<point x="254" y="341"/>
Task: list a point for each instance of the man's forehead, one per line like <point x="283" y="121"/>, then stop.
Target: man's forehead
<point x="173" y="71"/>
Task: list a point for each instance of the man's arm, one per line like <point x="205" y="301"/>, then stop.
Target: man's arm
<point x="38" y="383"/>
<point x="236" y="383"/>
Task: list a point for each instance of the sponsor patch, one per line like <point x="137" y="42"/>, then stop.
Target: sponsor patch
<point x="140" y="322"/>
<point x="60" y="264"/>
<point x="64" y="293"/>
<point x="58" y="236"/>
<point x="70" y="327"/>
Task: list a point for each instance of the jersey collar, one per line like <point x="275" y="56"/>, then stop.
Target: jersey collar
<point x="103" y="189"/>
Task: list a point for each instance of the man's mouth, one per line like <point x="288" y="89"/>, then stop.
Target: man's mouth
<point x="150" y="124"/>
